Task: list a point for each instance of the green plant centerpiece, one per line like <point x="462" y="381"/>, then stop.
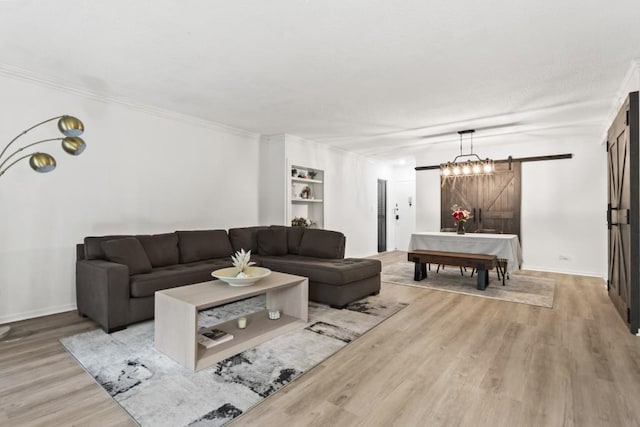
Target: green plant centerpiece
<point x="301" y="222"/>
<point x="242" y="261"/>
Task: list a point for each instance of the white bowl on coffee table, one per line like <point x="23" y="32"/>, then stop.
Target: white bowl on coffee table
<point x="229" y="275"/>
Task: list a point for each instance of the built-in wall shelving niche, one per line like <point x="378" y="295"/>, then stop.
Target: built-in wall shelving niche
<point x="306" y="194"/>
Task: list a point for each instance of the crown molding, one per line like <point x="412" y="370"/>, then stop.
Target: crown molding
<point x="300" y="140"/>
<point x="42" y="80"/>
<point x="630" y="83"/>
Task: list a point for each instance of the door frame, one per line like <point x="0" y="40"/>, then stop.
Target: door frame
<point x="382" y="215"/>
<point x="634" y="142"/>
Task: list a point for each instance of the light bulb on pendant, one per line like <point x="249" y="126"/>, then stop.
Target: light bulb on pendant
<point x="467" y="167"/>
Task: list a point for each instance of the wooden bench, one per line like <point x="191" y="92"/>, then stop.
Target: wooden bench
<point x="482" y="263"/>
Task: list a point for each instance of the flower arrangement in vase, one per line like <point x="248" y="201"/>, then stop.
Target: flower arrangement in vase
<point x="460" y="216"/>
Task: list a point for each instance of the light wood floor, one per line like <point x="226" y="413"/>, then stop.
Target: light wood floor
<point x="447" y="359"/>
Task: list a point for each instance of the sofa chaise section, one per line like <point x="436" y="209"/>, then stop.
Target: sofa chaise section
<point x="319" y="255"/>
<point x="335" y="282"/>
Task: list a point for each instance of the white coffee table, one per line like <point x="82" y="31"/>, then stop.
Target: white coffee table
<point x="176" y="317"/>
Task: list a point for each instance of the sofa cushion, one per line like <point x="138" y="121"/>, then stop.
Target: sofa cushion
<point x="145" y="285"/>
<point x="272" y="241"/>
<point x="245" y="238"/>
<point x="294" y="237"/>
<point x="337" y="272"/>
<point x="197" y="245"/>
<point x="322" y="244"/>
<point x="92" y="248"/>
<point x="128" y="251"/>
<point x="162" y="249"/>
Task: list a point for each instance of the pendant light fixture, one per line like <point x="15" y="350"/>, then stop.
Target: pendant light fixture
<point x="468" y="167"/>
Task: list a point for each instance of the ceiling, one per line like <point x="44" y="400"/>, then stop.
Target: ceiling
<point x="380" y="78"/>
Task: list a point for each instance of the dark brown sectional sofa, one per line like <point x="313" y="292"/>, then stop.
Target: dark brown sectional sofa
<point x="117" y="276"/>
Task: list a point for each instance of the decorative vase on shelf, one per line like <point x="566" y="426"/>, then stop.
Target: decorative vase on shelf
<point x="306" y="192"/>
<point x="460" y="227"/>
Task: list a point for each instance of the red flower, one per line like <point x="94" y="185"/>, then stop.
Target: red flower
<point x="460" y="215"/>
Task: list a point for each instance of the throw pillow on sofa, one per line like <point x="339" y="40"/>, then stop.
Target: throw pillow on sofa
<point x="272" y="241"/>
<point x="199" y="245"/>
<point x="92" y="248"/>
<point x="294" y="237"/>
<point x="322" y="244"/>
<point x="245" y="238"/>
<point x="162" y="249"/>
<point x="128" y="251"/>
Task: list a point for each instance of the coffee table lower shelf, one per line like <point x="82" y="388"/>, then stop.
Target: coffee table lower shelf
<point x="176" y="317"/>
<point x="259" y="329"/>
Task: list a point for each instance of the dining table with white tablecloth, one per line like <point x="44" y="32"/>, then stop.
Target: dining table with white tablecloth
<point x="504" y="246"/>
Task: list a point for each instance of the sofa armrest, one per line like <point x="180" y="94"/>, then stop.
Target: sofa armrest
<point x="102" y="292"/>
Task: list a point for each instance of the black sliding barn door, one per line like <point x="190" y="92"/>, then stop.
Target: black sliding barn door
<point x="494" y="200"/>
<point x="461" y="191"/>
<point x="623" y="278"/>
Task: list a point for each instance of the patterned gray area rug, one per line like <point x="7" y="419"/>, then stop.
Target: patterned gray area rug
<point x="156" y="391"/>
<point x="519" y="288"/>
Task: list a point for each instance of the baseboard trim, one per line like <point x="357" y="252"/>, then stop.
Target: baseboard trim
<point x="36" y="313"/>
<point x="574" y="273"/>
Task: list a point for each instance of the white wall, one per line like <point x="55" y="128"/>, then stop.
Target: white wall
<point x="142" y="172"/>
<point x="350" y="191"/>
<point x="563" y="201"/>
<point x="630" y="83"/>
<point x="401" y="186"/>
<point x="272" y="202"/>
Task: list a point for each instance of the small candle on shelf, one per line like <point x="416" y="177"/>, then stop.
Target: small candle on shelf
<point x="274" y="314"/>
<point x="242" y="322"/>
